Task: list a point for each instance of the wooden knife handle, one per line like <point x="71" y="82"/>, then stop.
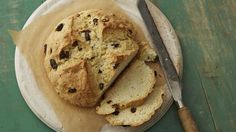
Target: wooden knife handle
<point x="187" y="120"/>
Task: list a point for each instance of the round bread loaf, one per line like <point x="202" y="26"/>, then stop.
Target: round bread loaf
<point x="86" y="52"/>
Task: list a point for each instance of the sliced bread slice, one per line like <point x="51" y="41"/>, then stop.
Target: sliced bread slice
<point x="135" y="116"/>
<point x="130" y="89"/>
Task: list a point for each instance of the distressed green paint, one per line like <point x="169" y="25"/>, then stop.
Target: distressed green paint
<point x="206" y="29"/>
<point x="15" y="115"/>
<point x="207" y="32"/>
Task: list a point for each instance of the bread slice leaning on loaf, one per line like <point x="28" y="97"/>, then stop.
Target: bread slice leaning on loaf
<point x="86" y="52"/>
<point x="130" y="89"/>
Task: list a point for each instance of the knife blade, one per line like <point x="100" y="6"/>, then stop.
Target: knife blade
<point x="171" y="76"/>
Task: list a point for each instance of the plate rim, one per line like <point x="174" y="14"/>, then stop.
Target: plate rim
<point x="34" y="16"/>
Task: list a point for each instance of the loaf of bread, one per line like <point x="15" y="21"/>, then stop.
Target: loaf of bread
<point x="130" y="89"/>
<point x="135" y="116"/>
<point x="86" y="52"/>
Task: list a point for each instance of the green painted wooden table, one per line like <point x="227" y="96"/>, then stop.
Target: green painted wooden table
<point x="207" y="32"/>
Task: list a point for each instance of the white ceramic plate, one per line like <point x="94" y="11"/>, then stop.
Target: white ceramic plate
<point x="40" y="105"/>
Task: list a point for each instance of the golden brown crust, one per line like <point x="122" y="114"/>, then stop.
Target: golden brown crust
<point x="68" y="79"/>
<point x="83" y="54"/>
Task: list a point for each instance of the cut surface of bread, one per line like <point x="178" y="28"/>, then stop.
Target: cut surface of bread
<point x="135" y="116"/>
<point x="86" y="52"/>
<point x="130" y="89"/>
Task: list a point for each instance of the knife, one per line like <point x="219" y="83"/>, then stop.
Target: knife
<point x="172" y="78"/>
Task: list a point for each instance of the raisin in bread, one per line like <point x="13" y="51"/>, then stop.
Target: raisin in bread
<point x="130" y="89"/>
<point x="135" y="116"/>
<point x="85" y="54"/>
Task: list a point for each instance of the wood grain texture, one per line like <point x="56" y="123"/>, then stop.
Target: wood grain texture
<point x="207" y="32"/>
<point x="14" y="113"/>
<point x="187" y="120"/>
<point x="206" y="29"/>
